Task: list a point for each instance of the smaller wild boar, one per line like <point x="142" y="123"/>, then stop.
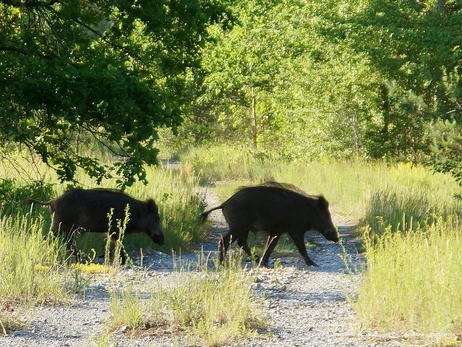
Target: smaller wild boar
<point x="88" y="210"/>
<point x="275" y="208"/>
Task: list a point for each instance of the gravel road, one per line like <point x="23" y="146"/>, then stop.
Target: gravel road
<point x="306" y="306"/>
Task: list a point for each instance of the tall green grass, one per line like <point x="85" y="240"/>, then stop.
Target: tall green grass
<point x="412" y="238"/>
<point x="219" y="163"/>
<point x="180" y="202"/>
<point x="405" y="208"/>
<point x="31" y="270"/>
<point x="412" y="198"/>
<point x="412" y="280"/>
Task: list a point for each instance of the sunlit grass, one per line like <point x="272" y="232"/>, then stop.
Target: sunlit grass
<point x="127" y="310"/>
<point x="413" y="239"/>
<point x="203" y="304"/>
<point x="180" y="203"/>
<point x="219" y="163"/>
<point x="412" y="280"/>
<point x="401" y="208"/>
<point x="31" y="270"/>
<point x="208" y="305"/>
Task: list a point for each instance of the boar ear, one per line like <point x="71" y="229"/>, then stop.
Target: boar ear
<point x="152" y="207"/>
<point x="322" y="203"/>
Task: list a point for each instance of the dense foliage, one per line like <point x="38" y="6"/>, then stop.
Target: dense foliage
<point x="333" y="78"/>
<point x="113" y="71"/>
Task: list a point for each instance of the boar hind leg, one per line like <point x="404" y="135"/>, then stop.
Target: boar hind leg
<point x="273" y="241"/>
<point x="232" y="235"/>
<point x="223" y="246"/>
<point x="242" y="242"/>
<point x="67" y="232"/>
<point x="58" y="228"/>
<point x="299" y="241"/>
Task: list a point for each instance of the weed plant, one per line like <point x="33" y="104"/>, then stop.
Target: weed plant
<point x="126" y="308"/>
<point x="216" y="308"/>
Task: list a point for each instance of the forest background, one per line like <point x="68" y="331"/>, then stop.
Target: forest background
<point x="281" y="79"/>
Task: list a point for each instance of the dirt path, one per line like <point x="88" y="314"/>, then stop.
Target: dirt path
<point x="306" y="306"/>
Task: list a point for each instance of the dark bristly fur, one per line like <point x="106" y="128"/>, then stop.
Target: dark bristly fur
<point x="88" y="210"/>
<point x="276" y="208"/>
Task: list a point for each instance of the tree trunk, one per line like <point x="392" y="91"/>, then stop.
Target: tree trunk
<point x="253" y="115"/>
<point x="356" y="133"/>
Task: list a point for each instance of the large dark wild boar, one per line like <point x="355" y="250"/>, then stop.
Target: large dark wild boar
<point x="274" y="208"/>
<point x="88" y="210"/>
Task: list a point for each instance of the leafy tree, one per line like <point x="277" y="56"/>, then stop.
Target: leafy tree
<point x="446" y="147"/>
<point x="239" y="70"/>
<point x="110" y="70"/>
<point x="334" y="78"/>
<point x="414" y="46"/>
<point x="285" y="79"/>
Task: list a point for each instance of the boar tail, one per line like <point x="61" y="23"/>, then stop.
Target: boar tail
<point x="204" y="215"/>
<point x="29" y="201"/>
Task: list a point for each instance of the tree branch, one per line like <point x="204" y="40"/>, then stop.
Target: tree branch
<point x="13" y="49"/>
<point x="101" y="36"/>
<point x="30" y="4"/>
